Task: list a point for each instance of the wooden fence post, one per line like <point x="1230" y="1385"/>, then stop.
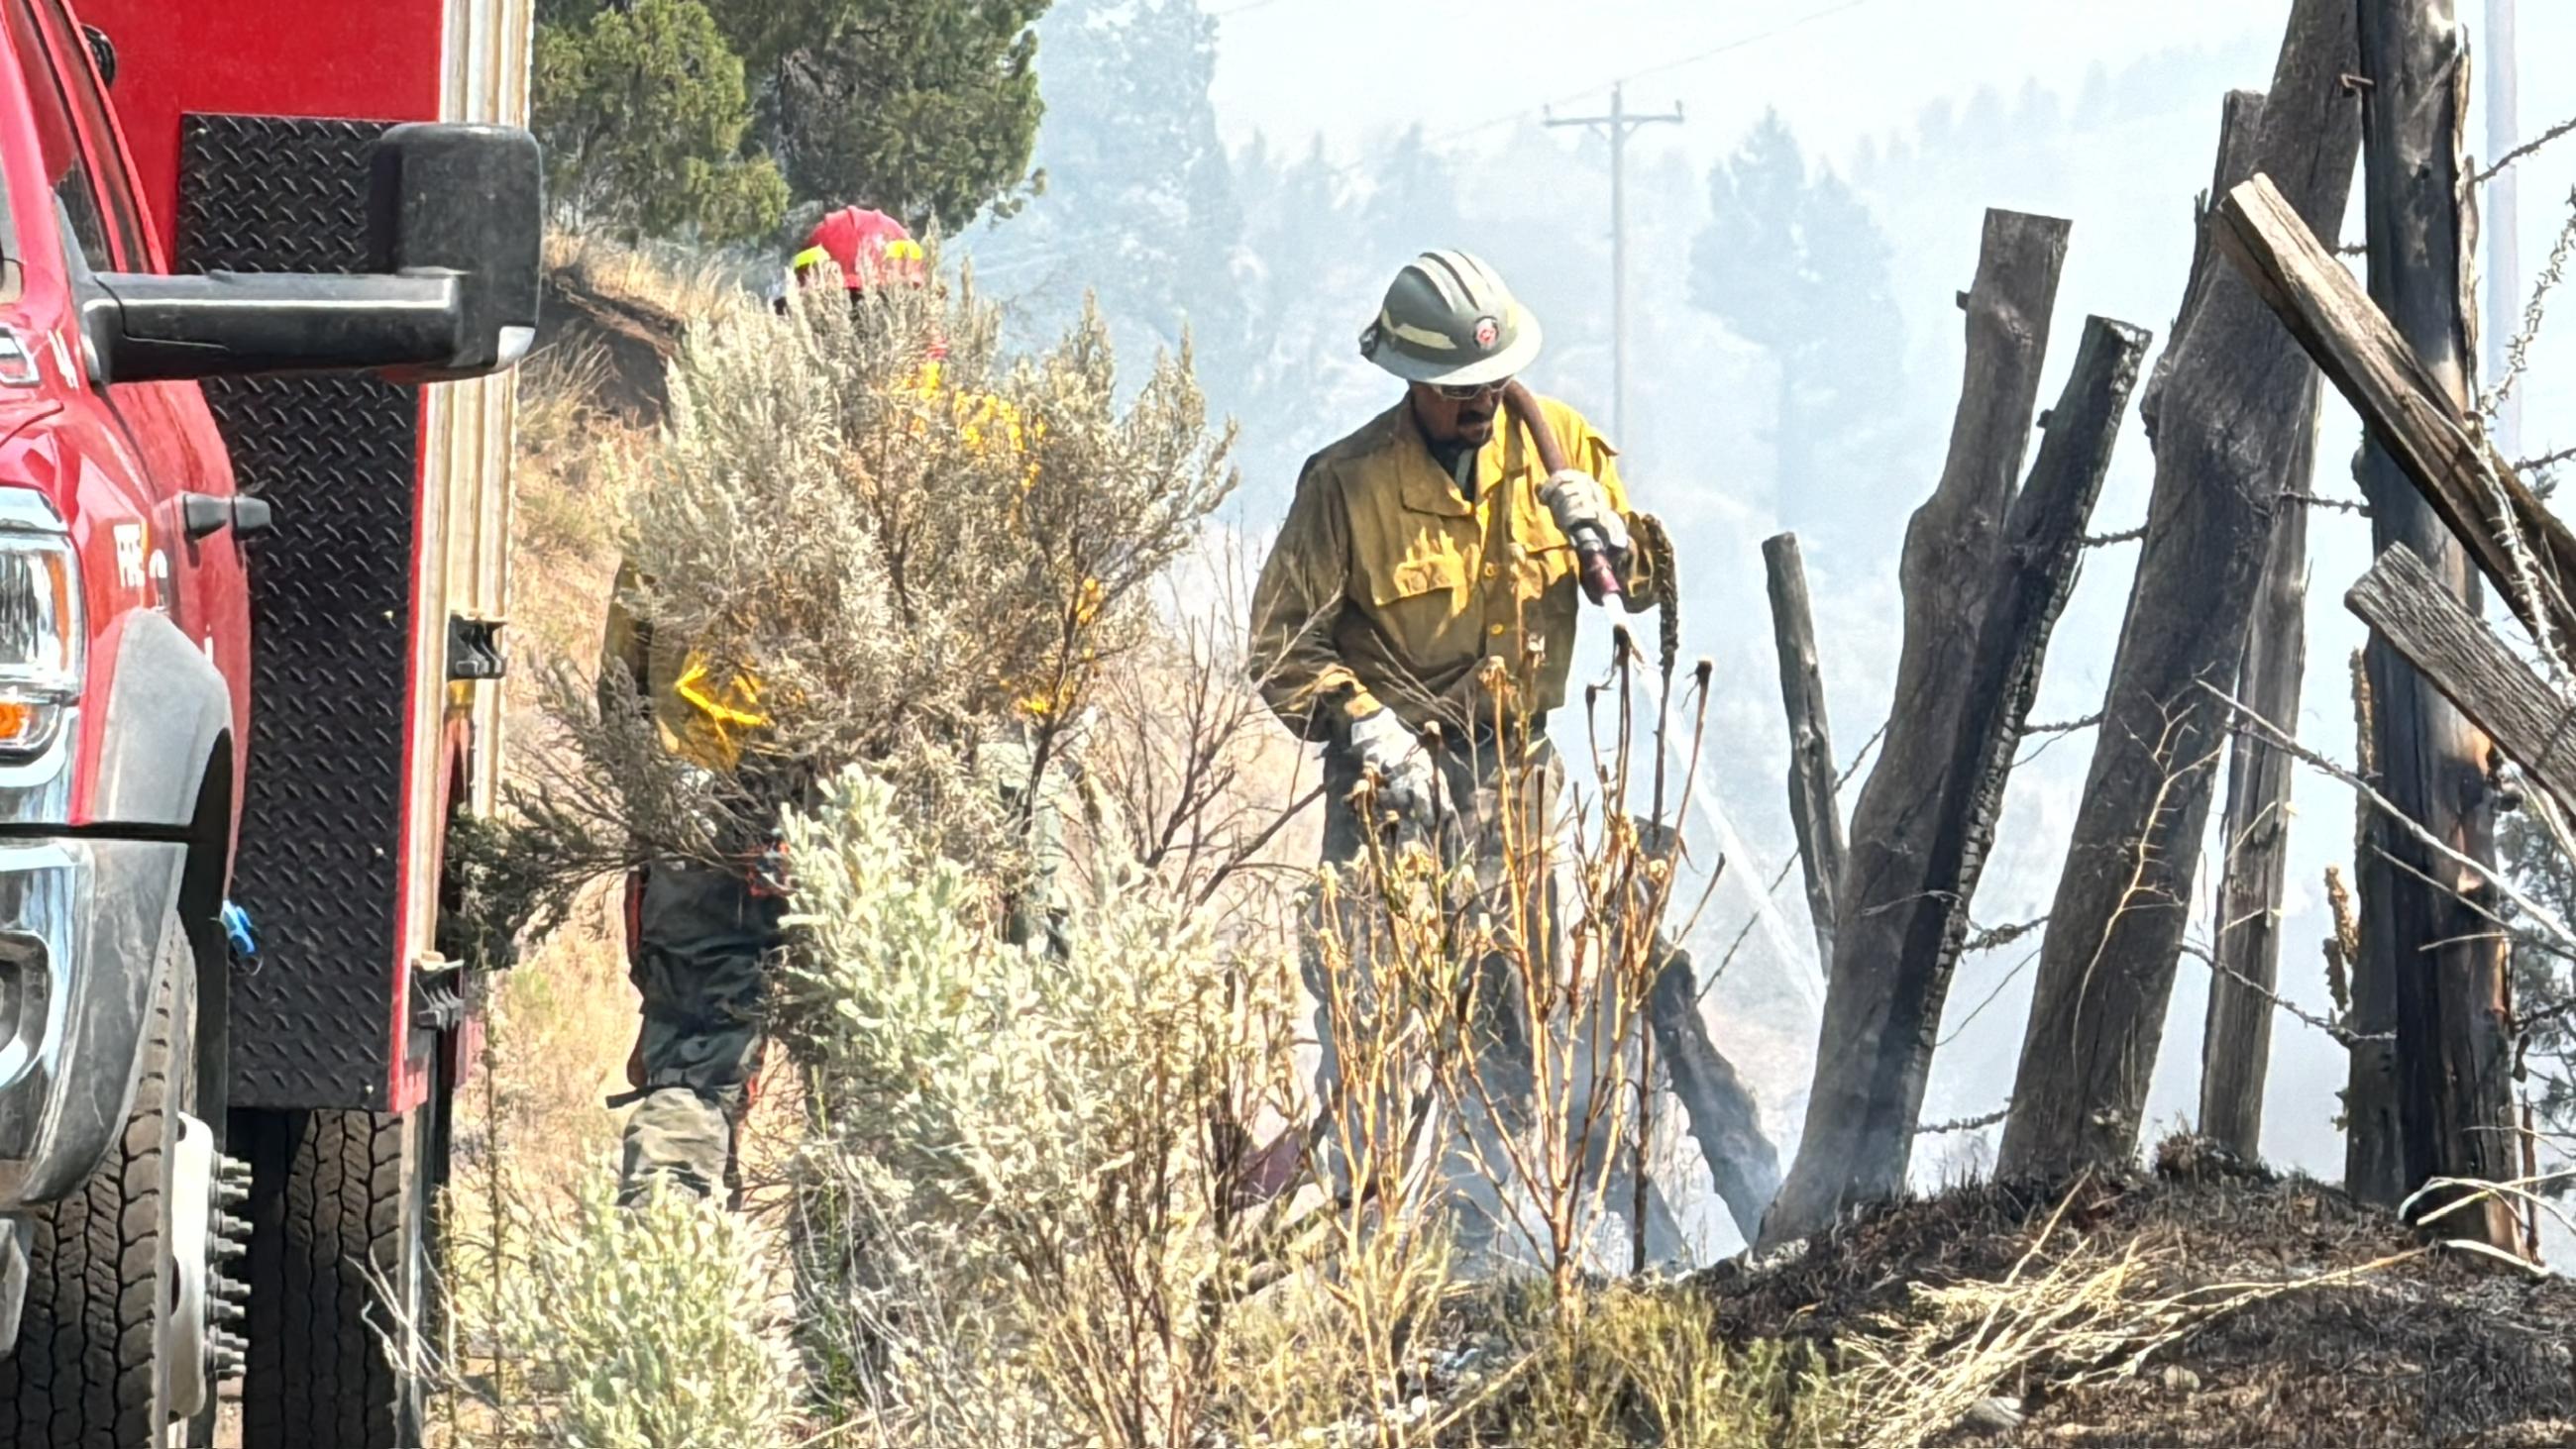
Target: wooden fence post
<point x="2034" y="572"/>
<point x="2454" y="1055"/>
<point x="1813" y="807"/>
<point x="2229" y="421"/>
<point x="1858" y="1122"/>
<point x="2236" y="1042"/>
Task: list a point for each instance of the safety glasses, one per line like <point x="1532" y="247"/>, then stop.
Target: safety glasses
<point x="1470" y="391"/>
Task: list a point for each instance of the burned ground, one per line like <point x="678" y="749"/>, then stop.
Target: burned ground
<point x="2438" y="1348"/>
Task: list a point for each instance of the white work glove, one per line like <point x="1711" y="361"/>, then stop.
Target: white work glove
<point x="1387" y="746"/>
<point x="1580" y="502"/>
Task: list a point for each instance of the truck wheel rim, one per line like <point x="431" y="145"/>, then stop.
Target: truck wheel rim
<point x="207" y="1304"/>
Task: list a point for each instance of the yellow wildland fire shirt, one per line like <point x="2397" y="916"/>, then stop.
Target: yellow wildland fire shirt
<point x="703" y="718"/>
<point x="1389" y="586"/>
<point x="706" y="713"/>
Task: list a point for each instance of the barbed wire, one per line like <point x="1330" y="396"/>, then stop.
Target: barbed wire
<point x="2563" y="128"/>
<point x="2343" y="1034"/>
<point x="1966" y="1124"/>
<point x="2517" y="355"/>
<point x="1988" y="938"/>
<point x="2546" y="461"/>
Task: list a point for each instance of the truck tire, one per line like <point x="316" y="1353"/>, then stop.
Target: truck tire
<point x="340" y="1212"/>
<point x="89" y="1371"/>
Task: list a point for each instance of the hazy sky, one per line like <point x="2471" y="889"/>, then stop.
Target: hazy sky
<point x="1839" y="69"/>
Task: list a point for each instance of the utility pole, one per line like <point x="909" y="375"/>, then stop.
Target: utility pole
<point x="1617" y="126"/>
<point x="2501" y="207"/>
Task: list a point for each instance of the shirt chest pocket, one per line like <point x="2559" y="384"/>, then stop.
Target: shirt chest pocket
<point x="1433" y="569"/>
<point x="1547" y="555"/>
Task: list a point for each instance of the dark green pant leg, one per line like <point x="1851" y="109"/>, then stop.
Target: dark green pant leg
<point x="706" y="949"/>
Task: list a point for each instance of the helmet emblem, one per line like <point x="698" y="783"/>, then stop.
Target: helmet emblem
<point x="1488" y="331"/>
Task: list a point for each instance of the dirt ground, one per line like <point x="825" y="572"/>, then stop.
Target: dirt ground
<point x="2443" y="1348"/>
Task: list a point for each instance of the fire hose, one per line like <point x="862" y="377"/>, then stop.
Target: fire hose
<point x="1591" y="550"/>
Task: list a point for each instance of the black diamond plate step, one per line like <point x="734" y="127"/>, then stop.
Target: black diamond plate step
<point x="319" y="867"/>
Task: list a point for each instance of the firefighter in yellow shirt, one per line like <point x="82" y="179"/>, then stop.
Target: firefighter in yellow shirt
<point x="1430" y="547"/>
<point x="1428" y="557"/>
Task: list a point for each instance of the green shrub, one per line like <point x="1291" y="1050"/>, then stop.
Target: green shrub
<point x="646" y="1327"/>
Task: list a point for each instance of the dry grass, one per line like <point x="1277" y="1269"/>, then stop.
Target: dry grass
<point x="686" y="284"/>
<point x="2212" y="1305"/>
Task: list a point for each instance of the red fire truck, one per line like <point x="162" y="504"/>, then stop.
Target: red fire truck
<point x="264" y="267"/>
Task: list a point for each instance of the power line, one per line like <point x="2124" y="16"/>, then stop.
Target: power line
<point x="1740" y="43"/>
<point x="1695" y="57"/>
<point x="1619" y="125"/>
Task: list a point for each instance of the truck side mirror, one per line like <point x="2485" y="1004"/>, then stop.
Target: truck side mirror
<point x="455" y="222"/>
<point x="467" y="200"/>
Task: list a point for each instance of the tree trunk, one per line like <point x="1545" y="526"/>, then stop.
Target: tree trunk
<point x="2454" y="1058"/>
<point x="2229" y="423"/>
<point x="1813" y="808"/>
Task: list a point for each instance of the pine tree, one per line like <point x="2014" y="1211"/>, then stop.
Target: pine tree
<point x="642" y="110"/>
<point x="1141" y="201"/>
<point x="1792" y="262"/>
<point x="926" y="109"/>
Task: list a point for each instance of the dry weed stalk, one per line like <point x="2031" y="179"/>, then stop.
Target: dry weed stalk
<point x="1534" y="953"/>
<point x="1360" y="1251"/>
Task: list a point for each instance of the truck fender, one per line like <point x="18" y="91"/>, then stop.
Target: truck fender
<point x="167" y="708"/>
